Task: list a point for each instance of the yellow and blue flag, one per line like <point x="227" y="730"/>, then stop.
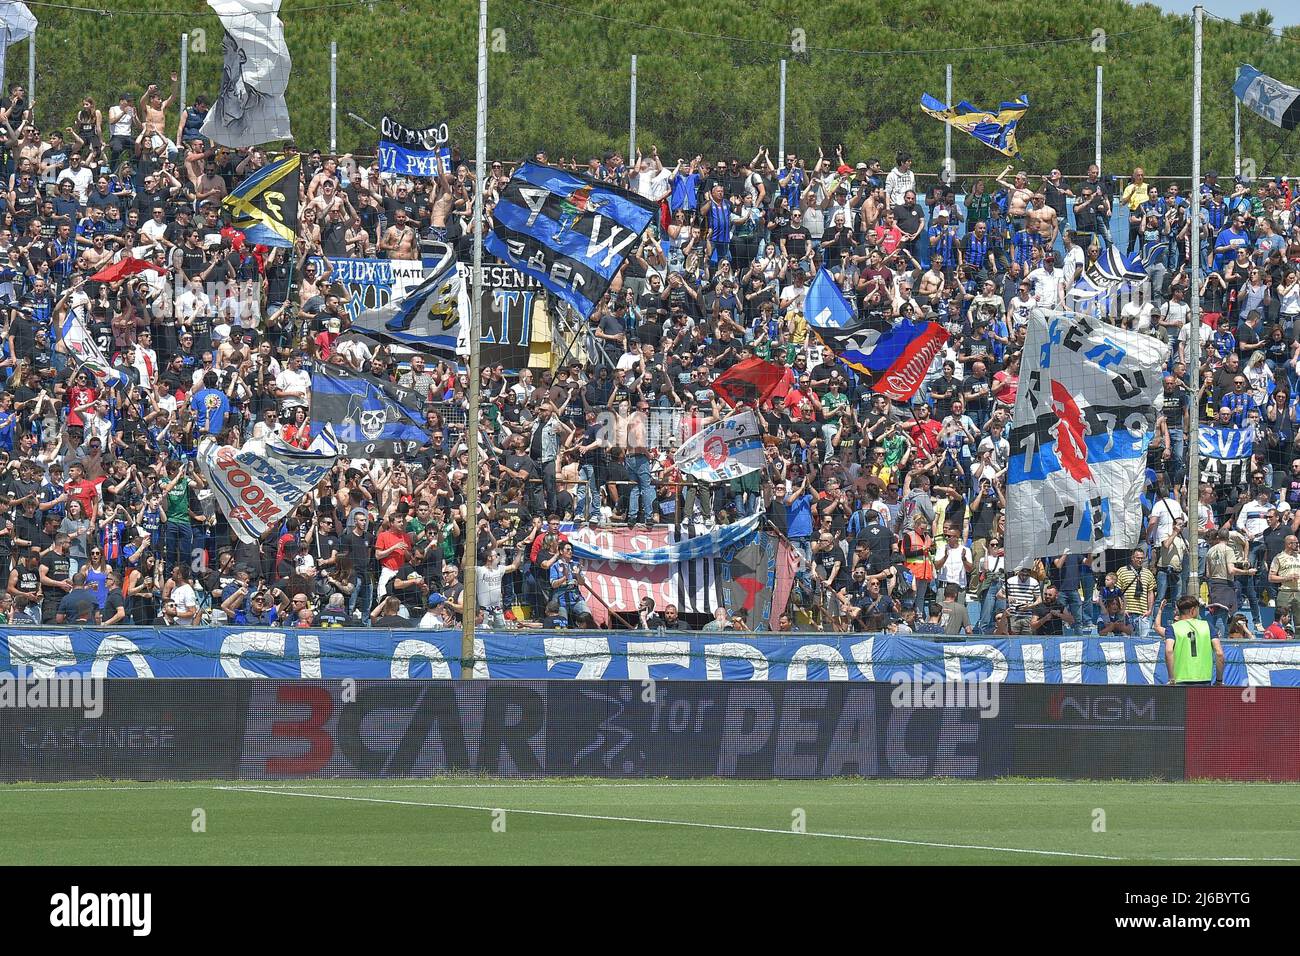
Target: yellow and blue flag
<point x="264" y="207"/>
<point x="995" y="130"/>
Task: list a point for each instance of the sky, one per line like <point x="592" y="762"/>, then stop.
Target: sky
<point x="1285" y="14"/>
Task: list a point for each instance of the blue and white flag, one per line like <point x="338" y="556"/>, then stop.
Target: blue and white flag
<point x="824" y="305"/>
<point x="701" y="546"/>
<point x="372" y="417"/>
<point x="1085" y="413"/>
<point x="1225" y="455"/>
<point x="426" y="318"/>
<point x="258" y="486"/>
<point x="77" y="343"/>
<point x="568" y="231"/>
<point x="407" y="151"/>
<point x="724" y="450"/>
<point x="1270" y="98"/>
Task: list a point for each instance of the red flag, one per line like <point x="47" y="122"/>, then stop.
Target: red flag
<point x="906" y="373"/>
<point x="123" y="268"/>
<point x="752" y="380"/>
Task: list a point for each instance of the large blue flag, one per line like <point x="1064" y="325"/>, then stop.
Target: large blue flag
<point x="371" y="417"/>
<point x="569" y="232"/>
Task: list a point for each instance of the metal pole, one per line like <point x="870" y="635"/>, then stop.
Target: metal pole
<point x="947" y="127"/>
<point x="334" y="97"/>
<point x="470" y="600"/>
<point x="1096" y="149"/>
<point x="780" y="135"/>
<point x="31" y="71"/>
<point x="185" y="72"/>
<point x="1194" y="333"/>
<point x="631" y="138"/>
<point x="1236" y="136"/>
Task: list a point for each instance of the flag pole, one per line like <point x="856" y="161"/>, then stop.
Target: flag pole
<point x="1194" y="332"/>
<point x="470" y="599"/>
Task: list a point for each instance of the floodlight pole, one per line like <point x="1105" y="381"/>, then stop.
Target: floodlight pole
<point x="780" y="133"/>
<point x="1096" y="135"/>
<point x="470" y="599"/>
<point x="1194" y="332"/>
<point x="185" y="73"/>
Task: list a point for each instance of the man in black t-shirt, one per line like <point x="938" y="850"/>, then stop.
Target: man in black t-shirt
<point x="411" y="588"/>
<point x="1050" y="615"/>
<point x="55" y="576"/>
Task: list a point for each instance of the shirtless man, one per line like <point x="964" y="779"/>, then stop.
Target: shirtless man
<point x="1018" y="194"/>
<point x="210" y="187"/>
<point x="30" y="149"/>
<point x="444" y="202"/>
<point x="154" y="108"/>
<point x="96" y="257"/>
<point x="1042" y="219"/>
<point x="872" y="209"/>
<point x="197" y="158"/>
<point x="399" y="240"/>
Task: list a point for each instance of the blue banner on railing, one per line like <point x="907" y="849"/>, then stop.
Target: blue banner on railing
<point x="377" y="654"/>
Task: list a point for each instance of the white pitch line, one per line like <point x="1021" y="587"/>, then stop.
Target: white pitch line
<point x="676" y="823"/>
<point x="541" y="783"/>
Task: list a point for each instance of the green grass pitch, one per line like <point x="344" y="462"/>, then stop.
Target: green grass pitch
<point x="571" y="821"/>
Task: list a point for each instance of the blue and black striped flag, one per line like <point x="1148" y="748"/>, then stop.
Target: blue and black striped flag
<point x="569" y="232"/>
<point x="372" y="418"/>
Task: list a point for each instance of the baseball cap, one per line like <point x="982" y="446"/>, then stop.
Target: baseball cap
<point x="436" y="599"/>
<point x="863" y="166"/>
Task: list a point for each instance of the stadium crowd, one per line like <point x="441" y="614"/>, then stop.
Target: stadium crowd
<point x="896" y="511"/>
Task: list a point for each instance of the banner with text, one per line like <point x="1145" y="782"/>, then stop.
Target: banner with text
<point x="337" y="653"/>
<point x="407" y="151"/>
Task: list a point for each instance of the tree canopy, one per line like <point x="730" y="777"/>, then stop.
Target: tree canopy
<point x="708" y="75"/>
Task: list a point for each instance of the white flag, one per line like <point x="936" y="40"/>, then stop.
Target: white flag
<point x="18" y="24"/>
<point x="724" y="450"/>
<point x="250" y="107"/>
<point x="257" y="486"/>
<point x="1085" y="413"/>
<point x="1270" y="98"/>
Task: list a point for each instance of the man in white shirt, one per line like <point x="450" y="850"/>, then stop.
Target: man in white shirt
<point x="293" y="385"/>
<point x="156" y="227"/>
<point x="146" y="359"/>
<point x="487" y="585"/>
<point x="79" y="175"/>
<point x="187" y="608"/>
<point x="1075" y="258"/>
<point x="164" y="398"/>
<point x="1163" y="515"/>
<point x="1252" y="520"/>
<point x="192" y="302"/>
<point x="900" y="180"/>
<point x="792" y="296"/>
<point x="1174" y="314"/>
<point x="1048" y="283"/>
